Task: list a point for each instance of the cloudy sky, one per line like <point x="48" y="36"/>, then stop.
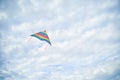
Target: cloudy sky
<point x="84" y="35"/>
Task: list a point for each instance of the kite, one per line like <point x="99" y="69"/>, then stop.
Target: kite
<point x="42" y="36"/>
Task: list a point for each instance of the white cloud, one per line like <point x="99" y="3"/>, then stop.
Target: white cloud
<point x="78" y="52"/>
<point x="22" y="7"/>
<point x="107" y="33"/>
<point x="3" y="15"/>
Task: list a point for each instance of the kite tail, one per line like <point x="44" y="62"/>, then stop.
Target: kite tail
<point x="29" y="39"/>
<point x="46" y="47"/>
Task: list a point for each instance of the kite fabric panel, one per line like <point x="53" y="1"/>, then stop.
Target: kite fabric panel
<point x="42" y="36"/>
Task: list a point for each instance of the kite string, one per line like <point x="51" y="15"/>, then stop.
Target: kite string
<point x="29" y="39"/>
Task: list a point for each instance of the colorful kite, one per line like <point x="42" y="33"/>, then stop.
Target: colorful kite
<point x="42" y="36"/>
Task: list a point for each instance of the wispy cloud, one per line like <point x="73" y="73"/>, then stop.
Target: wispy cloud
<point x="84" y="35"/>
<point x="3" y="16"/>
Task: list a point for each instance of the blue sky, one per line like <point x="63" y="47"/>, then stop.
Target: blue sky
<point x="84" y="35"/>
